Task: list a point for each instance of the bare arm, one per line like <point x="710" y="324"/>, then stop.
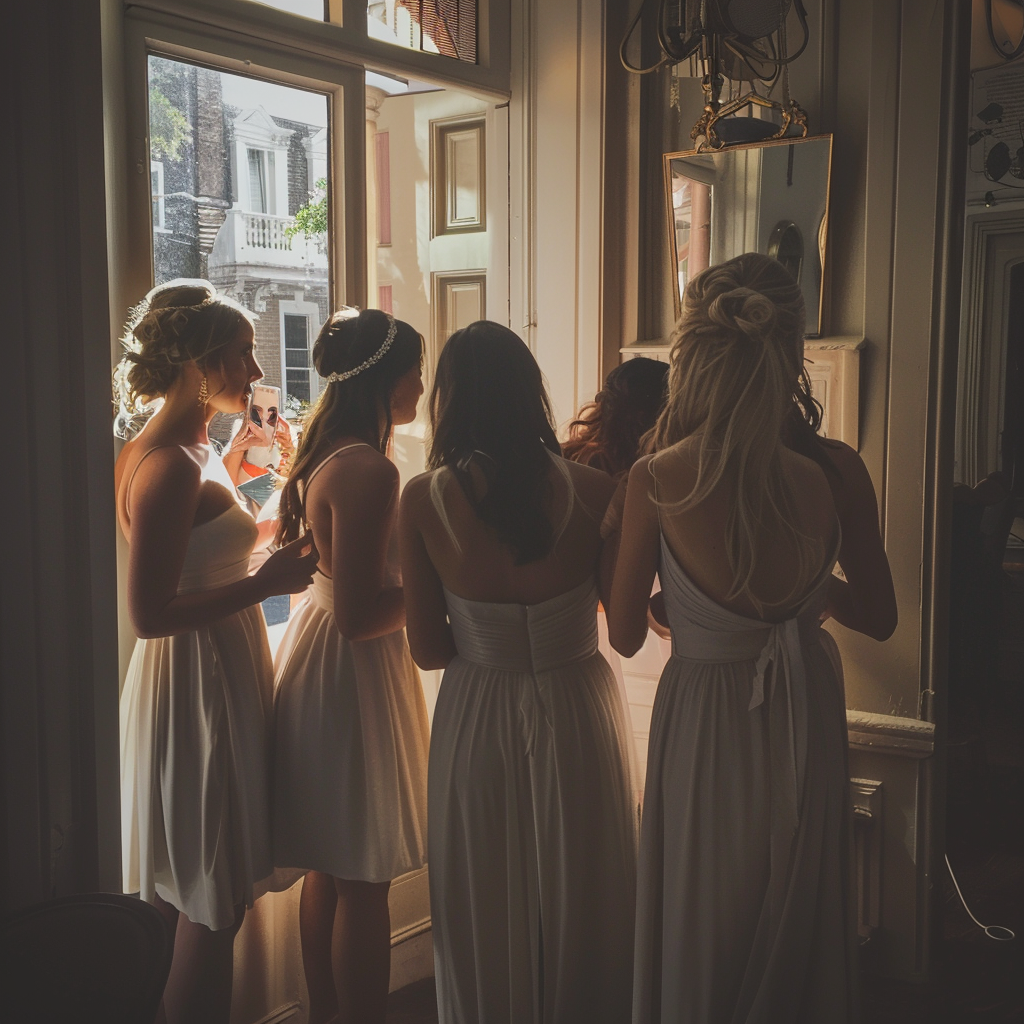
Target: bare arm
<point x="866" y="600"/>
<point x="164" y="498"/>
<point x="361" y="498"/>
<point x="636" y="564"/>
<point x="430" y="634"/>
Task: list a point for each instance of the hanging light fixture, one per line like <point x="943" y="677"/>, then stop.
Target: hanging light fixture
<point x="739" y="40"/>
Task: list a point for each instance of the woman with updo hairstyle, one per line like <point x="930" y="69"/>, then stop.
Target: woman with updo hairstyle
<point x="745" y="909"/>
<point x="197" y="700"/>
<point x="351" y="733"/>
<point x="607" y="432"/>
<point x="532" y="821"/>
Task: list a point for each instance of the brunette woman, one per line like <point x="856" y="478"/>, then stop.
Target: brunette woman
<point x="196" y="703"/>
<point x="351" y="724"/>
<point x="607" y="432"/>
<point x="531" y="833"/>
<point x="744" y="907"/>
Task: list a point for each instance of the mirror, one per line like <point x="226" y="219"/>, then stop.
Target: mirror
<point x="769" y="197"/>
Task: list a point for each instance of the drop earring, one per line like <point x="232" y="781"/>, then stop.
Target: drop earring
<point x="204" y="395"/>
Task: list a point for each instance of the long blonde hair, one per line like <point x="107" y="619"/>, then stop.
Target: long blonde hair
<point x="736" y="357"/>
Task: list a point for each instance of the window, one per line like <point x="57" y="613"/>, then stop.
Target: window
<point x="261" y="181"/>
<point x="446" y="27"/>
<point x="296" y="362"/>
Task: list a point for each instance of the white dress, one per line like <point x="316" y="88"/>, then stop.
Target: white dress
<point x="744" y="903"/>
<point x="351" y="741"/>
<point x="195" y="713"/>
<point x="532" y="834"/>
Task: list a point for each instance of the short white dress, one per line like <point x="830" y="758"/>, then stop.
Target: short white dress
<point x="532" y="818"/>
<point x="351" y="743"/>
<point x="195" y="718"/>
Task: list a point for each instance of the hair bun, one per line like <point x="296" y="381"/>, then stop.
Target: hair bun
<point x="750" y="311"/>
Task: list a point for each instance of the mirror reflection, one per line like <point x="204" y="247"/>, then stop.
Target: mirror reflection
<point x="767" y="197"/>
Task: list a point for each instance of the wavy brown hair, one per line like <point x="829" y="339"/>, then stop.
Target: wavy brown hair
<point x="489" y="408"/>
<point x="736" y="368"/>
<point x="607" y="432"/>
<point x="356" y="407"/>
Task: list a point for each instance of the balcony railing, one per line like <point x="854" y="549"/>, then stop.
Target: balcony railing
<point x="261" y="239"/>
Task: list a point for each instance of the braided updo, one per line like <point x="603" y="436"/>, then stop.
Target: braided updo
<point x="178" y="322"/>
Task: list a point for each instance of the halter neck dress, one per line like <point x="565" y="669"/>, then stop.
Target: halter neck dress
<point x="351" y="740"/>
<point x="532" y="833"/>
<point x="195" y="714"/>
<point x="744" y="903"/>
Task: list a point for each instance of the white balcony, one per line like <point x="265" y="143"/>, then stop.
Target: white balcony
<point x="261" y="239"/>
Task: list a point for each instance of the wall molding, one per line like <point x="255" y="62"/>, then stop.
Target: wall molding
<point x="888" y="734"/>
<point x="982" y="326"/>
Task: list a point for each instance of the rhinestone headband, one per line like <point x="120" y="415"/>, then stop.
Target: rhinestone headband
<point x="334" y="378"/>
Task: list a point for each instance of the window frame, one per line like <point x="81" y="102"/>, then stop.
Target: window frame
<point x="344" y="31"/>
<point x="222" y="50"/>
<point x="310" y="313"/>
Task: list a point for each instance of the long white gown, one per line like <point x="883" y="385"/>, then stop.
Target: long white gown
<point x="532" y="834"/>
<point x="195" y="716"/>
<point x="744" y="903"/>
<point x="351" y="742"/>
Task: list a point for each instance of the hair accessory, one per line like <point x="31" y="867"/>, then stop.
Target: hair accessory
<point x="334" y="378"/>
<point x="204" y="394"/>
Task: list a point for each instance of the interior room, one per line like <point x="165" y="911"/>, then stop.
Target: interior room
<point x="531" y="162"/>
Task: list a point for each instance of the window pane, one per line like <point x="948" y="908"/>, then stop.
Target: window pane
<point x="306" y="8"/>
<point x="447" y="27"/>
<point x="242" y="166"/>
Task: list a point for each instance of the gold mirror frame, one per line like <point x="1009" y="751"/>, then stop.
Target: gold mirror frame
<point x="820" y="232"/>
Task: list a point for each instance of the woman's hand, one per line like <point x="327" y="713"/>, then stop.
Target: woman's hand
<point x="285" y="444"/>
<point x="247" y="436"/>
<point x="290" y="569"/>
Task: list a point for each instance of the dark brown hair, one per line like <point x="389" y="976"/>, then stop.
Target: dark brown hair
<point x="607" y="432"/>
<point x="352" y="407"/>
<point x="489" y="409"/>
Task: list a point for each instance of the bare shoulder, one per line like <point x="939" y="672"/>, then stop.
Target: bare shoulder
<point x="593" y="485"/>
<point x="158" y="465"/>
<point x="416" y="494"/>
<point x="366" y="464"/>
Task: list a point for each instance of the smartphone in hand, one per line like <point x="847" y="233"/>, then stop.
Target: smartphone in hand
<point x="263" y="410"/>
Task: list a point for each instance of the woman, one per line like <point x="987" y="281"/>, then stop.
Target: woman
<point x="196" y="702"/>
<point x="744" y="902"/>
<point x="607" y="432"/>
<point x="351" y="729"/>
<point x="531" y="834"/>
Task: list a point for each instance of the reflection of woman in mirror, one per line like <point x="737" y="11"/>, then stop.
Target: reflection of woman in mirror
<point x="531" y="834"/>
<point x="351" y="735"/>
<point x="196" y="702"/>
<point x="745" y="875"/>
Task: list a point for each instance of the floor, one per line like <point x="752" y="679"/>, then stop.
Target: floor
<point x="976" y="980"/>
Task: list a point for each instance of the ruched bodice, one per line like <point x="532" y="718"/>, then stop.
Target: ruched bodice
<point x="528" y="638"/>
<point x="218" y="551"/>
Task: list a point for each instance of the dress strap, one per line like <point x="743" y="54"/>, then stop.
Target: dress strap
<point x="437" y="500"/>
<point x="302" y="486"/>
<point x="571" y="501"/>
<point x="187" y="449"/>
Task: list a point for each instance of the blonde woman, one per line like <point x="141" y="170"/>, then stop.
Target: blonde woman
<point x="744" y="911"/>
<point x="195" y="709"/>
